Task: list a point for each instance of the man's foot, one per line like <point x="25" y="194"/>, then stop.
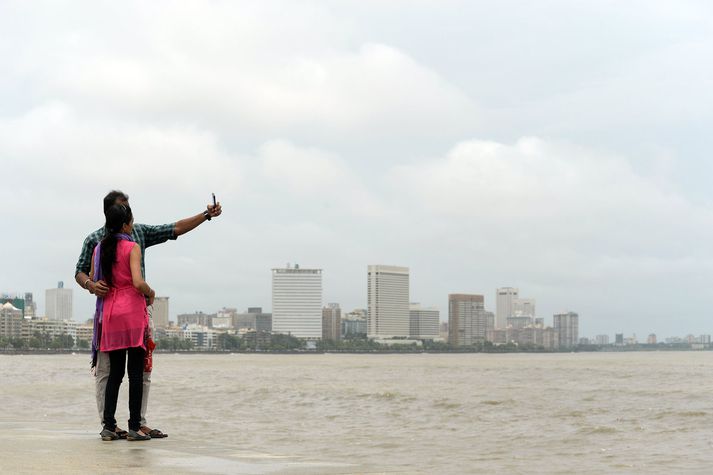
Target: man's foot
<point x="107" y="435"/>
<point x="121" y="433"/>
<point x="154" y="433"/>
<point x="137" y="435"/>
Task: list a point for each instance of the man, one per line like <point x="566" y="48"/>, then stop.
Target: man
<point x="145" y="236"/>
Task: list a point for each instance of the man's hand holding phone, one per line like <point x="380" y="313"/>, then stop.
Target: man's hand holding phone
<point x="214" y="209"/>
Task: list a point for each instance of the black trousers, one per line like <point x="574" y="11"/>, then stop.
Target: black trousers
<point x="135" y="367"/>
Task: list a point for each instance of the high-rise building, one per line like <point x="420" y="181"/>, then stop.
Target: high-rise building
<point x="443" y="331"/>
<point x="567" y="328"/>
<point x="253" y="319"/>
<point x="519" y="321"/>
<point x="549" y="338"/>
<point x="388" y="297"/>
<point x="297" y="301"/>
<point x="11" y="321"/>
<point x="58" y="303"/>
<point x="354" y="323"/>
<point x="197" y="318"/>
<point x="505" y="298"/>
<point x="332" y="322"/>
<point x="224" y="317"/>
<point x="423" y="322"/>
<point x="651" y="340"/>
<point x="523" y="307"/>
<point x="30" y="310"/>
<point x="160" y="312"/>
<point x="467" y="319"/>
<point x="602" y="339"/>
<point x="489" y="322"/>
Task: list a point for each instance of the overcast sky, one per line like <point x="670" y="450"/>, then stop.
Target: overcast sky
<point x="555" y="146"/>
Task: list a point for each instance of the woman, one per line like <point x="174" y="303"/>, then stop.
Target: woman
<point x="117" y="260"/>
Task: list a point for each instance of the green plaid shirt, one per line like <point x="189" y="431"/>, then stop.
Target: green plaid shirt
<point x="145" y="236"/>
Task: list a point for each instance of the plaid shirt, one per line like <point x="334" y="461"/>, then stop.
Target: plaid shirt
<point x="145" y="236"/>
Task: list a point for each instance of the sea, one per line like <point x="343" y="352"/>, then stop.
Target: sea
<point x="624" y="412"/>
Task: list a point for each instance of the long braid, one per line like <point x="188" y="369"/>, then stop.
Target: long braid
<point x="116" y="216"/>
<point x="108" y="257"/>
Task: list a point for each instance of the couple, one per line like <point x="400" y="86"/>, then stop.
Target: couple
<point x="111" y="266"/>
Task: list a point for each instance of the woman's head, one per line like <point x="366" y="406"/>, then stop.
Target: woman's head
<point x="119" y="219"/>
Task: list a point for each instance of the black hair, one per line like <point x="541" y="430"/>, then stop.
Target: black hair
<point x="111" y="197"/>
<point x="116" y="217"/>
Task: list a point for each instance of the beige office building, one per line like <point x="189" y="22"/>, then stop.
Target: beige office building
<point x="505" y="298"/>
<point x="58" y="303"/>
<point x="160" y="312"/>
<point x="388" y="298"/>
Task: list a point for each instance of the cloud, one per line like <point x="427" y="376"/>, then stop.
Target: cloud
<point x="567" y="222"/>
<point x="301" y="170"/>
<point x="301" y="173"/>
<point x="536" y="184"/>
<point x="261" y="71"/>
<point x="53" y="140"/>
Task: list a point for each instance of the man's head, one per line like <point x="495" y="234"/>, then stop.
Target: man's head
<point x="115" y="197"/>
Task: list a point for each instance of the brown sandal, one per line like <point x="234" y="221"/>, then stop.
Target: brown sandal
<point x="154" y="433"/>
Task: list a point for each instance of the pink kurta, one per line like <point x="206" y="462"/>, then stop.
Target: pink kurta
<point x="125" y="317"/>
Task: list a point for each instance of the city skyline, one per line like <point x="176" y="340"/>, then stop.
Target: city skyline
<point x="516" y="307"/>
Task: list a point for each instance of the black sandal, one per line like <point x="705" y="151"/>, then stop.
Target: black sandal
<point x="108" y="434"/>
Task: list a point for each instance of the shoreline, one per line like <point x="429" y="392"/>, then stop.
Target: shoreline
<point x="379" y="352"/>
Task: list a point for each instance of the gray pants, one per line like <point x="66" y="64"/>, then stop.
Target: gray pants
<point x="102" y="376"/>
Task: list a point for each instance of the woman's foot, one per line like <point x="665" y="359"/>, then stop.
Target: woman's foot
<point x="137" y="435"/>
<point x="107" y="434"/>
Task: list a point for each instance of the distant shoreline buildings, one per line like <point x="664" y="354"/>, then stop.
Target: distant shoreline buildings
<point x="390" y="318"/>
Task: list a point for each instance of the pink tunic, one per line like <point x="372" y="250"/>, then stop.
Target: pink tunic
<point x="125" y="317"/>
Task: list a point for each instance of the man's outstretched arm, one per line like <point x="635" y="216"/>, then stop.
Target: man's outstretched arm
<point x="188" y="224"/>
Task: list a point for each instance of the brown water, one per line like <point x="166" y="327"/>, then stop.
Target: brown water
<point x="472" y="413"/>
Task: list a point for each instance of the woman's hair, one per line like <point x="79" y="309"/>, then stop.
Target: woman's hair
<point x="116" y="217"/>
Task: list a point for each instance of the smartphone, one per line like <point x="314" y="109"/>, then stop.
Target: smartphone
<point x="214" y="203"/>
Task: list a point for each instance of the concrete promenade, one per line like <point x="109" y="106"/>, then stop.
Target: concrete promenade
<point x="31" y="448"/>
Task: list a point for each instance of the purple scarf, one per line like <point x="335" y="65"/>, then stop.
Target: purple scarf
<point x="99" y="311"/>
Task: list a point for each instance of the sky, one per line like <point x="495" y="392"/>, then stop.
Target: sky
<point x="559" y="147"/>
